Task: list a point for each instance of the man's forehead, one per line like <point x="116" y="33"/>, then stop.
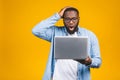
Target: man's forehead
<point x="71" y="14"/>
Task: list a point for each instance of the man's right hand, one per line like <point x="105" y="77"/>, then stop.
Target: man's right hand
<point x="61" y="12"/>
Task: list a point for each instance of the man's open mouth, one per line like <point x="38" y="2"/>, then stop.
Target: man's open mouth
<point x="71" y="27"/>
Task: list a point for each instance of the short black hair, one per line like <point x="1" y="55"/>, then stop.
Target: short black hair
<point x="70" y="9"/>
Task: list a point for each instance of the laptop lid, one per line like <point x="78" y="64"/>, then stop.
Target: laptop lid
<point x="67" y="47"/>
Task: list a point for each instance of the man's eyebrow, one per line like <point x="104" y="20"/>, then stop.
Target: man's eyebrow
<point x="70" y="17"/>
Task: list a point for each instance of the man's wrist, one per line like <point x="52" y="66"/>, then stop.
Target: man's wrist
<point x="88" y="63"/>
<point x="58" y="16"/>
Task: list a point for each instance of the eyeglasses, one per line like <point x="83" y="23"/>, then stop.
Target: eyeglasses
<point x="70" y="19"/>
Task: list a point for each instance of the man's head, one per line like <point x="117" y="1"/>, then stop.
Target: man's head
<point x="71" y="19"/>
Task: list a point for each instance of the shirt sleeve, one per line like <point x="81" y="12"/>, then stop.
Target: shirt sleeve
<point x="95" y="52"/>
<point x="45" y="28"/>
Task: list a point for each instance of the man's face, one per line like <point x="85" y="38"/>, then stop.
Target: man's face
<point x="71" y="21"/>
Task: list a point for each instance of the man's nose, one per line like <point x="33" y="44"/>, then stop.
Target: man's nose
<point x="71" y="21"/>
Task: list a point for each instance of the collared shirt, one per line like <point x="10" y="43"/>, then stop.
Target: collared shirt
<point x="46" y="30"/>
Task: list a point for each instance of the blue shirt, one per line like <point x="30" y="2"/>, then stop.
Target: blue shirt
<point x="47" y="30"/>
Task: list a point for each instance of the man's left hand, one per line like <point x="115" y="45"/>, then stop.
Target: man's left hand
<point x="87" y="61"/>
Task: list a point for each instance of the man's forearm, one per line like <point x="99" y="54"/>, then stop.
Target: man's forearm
<point x="44" y="29"/>
<point x="47" y="23"/>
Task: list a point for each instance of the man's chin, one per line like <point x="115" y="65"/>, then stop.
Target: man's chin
<point x="71" y="31"/>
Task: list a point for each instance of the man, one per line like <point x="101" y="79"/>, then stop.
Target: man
<point x="68" y="69"/>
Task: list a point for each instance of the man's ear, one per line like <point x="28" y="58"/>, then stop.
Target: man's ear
<point x="62" y="16"/>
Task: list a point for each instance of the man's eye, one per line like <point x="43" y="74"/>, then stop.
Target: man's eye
<point x="67" y="18"/>
<point x="70" y="18"/>
<point x="74" y="18"/>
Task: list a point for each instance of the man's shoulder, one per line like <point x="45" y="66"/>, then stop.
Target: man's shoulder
<point x="88" y="33"/>
<point x="85" y="30"/>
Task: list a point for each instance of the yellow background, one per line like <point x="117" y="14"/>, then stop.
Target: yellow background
<point x="23" y="56"/>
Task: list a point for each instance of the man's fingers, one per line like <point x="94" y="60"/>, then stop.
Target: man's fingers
<point x="62" y="11"/>
<point x="86" y="61"/>
<point x="80" y="61"/>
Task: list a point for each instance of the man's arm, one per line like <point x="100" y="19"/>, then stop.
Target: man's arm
<point x="95" y="53"/>
<point x="95" y="60"/>
<point x="45" y="28"/>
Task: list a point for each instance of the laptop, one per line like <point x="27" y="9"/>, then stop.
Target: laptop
<point x="67" y="47"/>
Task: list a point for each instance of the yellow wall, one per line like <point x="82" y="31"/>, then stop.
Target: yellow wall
<point x="24" y="57"/>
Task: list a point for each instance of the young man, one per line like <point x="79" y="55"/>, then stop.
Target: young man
<point x="68" y="69"/>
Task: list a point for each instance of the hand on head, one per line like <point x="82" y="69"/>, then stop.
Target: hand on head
<point x="61" y="12"/>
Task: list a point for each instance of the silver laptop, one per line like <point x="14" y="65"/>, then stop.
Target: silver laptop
<point x="67" y="47"/>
